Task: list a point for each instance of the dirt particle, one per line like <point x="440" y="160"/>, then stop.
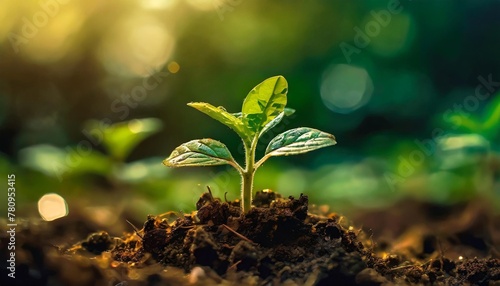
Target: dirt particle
<point x="215" y="212"/>
<point x="244" y="255"/>
<point x="98" y="242"/>
<point x="263" y="199"/>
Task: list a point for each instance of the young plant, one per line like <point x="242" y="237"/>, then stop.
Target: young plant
<point x="263" y="109"/>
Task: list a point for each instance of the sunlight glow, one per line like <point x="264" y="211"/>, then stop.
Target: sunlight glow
<point x="56" y="39"/>
<point x="136" y="46"/>
<point x="158" y="4"/>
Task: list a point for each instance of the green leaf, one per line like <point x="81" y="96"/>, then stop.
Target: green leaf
<point x="52" y="161"/>
<point x="298" y="141"/>
<point x="264" y="103"/>
<point x="277" y="120"/>
<point x="121" y="138"/>
<point x="200" y="152"/>
<point x="224" y="117"/>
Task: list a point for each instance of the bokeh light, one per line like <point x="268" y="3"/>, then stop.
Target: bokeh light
<point x="345" y="88"/>
<point x="52" y="206"/>
<point x="173" y="67"/>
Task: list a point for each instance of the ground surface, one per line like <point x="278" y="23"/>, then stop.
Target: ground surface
<point x="279" y="242"/>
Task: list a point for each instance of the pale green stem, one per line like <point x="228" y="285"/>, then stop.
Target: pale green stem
<point x="247" y="177"/>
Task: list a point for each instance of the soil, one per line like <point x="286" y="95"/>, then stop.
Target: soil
<point x="278" y="242"/>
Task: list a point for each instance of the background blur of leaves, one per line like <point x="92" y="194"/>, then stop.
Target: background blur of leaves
<point x="80" y="65"/>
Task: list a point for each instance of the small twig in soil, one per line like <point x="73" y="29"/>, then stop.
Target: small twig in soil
<point x="360" y="230"/>
<point x="233" y="266"/>
<point x="169" y="213"/>
<point x="225" y="197"/>
<point x="441" y="254"/>
<point x="340" y="220"/>
<point x="210" y="192"/>
<point x="409" y="266"/>
<point x="402" y="267"/>
<point x="237" y="234"/>
<point x="372" y="243"/>
<point x="135" y="228"/>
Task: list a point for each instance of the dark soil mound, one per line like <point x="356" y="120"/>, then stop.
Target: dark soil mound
<point x="277" y="241"/>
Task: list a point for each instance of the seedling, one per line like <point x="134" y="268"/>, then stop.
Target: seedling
<point x="263" y="109"/>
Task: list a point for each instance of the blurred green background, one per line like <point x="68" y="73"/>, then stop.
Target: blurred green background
<point x="94" y="93"/>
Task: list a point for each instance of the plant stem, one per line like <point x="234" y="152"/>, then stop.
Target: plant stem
<point x="247" y="177"/>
